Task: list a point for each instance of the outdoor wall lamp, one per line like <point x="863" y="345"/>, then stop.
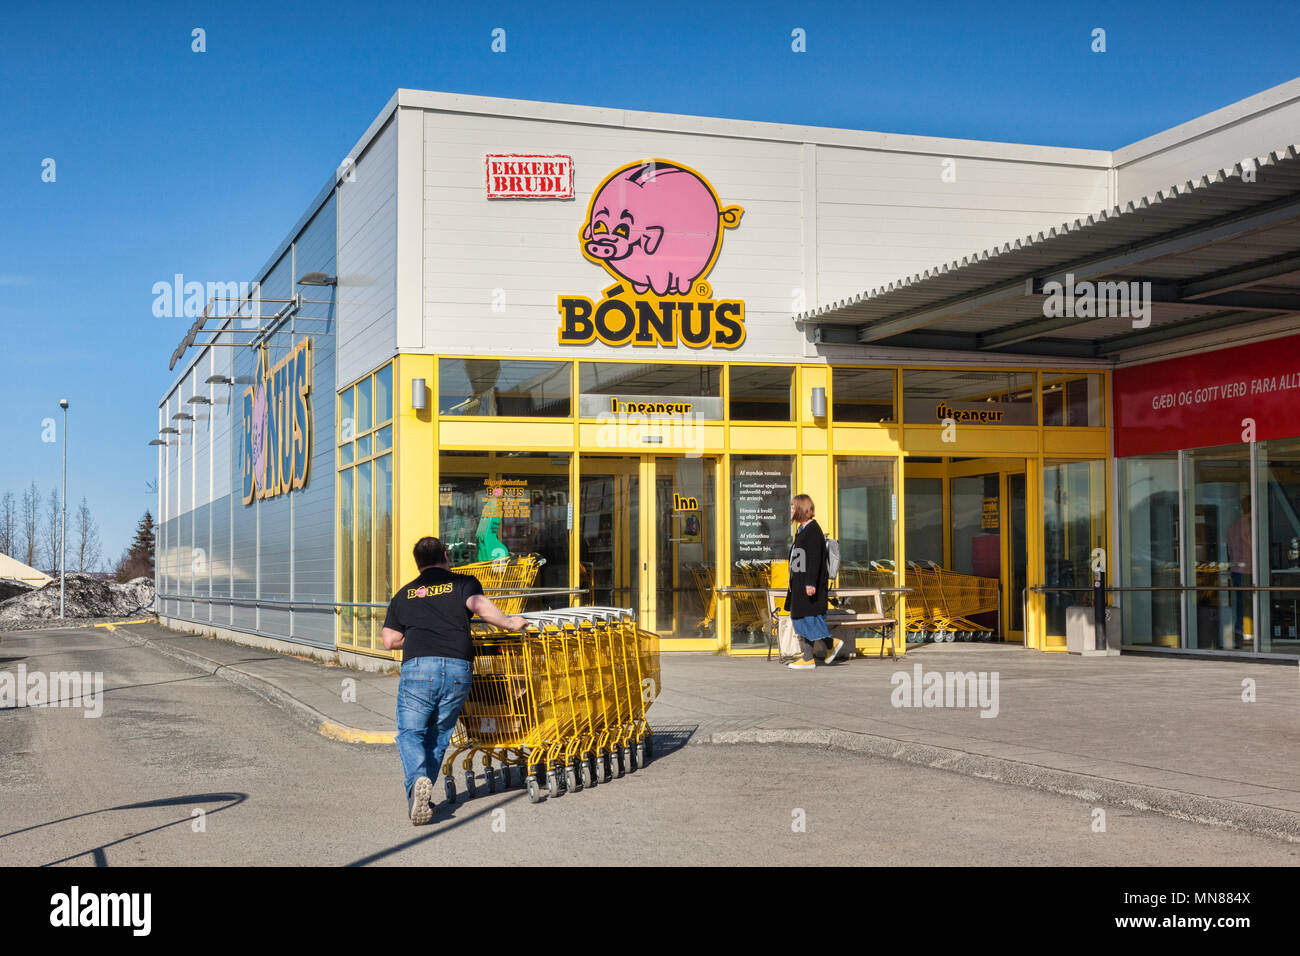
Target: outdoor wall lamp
<point x="819" y="402"/>
<point x="318" y="278"/>
<point x="419" y="394"/>
<point x="220" y="380"/>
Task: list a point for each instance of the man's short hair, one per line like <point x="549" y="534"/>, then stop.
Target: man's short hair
<point x="429" y="552"/>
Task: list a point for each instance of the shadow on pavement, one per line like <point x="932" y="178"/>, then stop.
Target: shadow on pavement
<point x="97" y="852"/>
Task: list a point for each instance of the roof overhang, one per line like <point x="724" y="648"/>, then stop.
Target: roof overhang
<point x="1209" y="254"/>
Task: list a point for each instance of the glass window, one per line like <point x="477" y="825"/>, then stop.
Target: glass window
<point x="494" y="505"/>
<point x="347" y="415"/>
<point x="1073" y="524"/>
<point x="761" y="393"/>
<point x="346" y="615"/>
<point x="924" y="519"/>
<point x="761" y="532"/>
<point x="1278" y="527"/>
<point x="862" y="395"/>
<point x="384" y="438"/>
<point x="968" y="397"/>
<point x="364" y="422"/>
<point x="605" y="386"/>
<point x="1074" y="399"/>
<point x="504" y="388"/>
<point x="384" y="395"/>
<point x="345" y="454"/>
<point x="1221" y="543"/>
<point x="1149" y="544"/>
<point x="363" y="560"/>
<point x="866" y="507"/>
<point x="383" y="535"/>
<point x="363" y="447"/>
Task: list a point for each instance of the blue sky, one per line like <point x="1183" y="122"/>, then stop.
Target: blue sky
<point x="173" y="161"/>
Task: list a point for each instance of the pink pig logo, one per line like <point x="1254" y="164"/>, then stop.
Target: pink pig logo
<point x="657" y="225"/>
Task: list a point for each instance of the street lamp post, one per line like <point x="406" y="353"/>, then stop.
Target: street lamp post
<point x="63" y="525"/>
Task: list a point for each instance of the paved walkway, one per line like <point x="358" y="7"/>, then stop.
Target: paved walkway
<point x="1166" y="734"/>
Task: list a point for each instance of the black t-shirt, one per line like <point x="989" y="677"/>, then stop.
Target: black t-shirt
<point x="431" y="612"/>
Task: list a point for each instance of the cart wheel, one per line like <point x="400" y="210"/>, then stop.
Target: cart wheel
<point x="571" y="778"/>
<point x="641" y="754"/>
<point x="648" y="749"/>
<point x="450" y="785"/>
<point x="588" y="773"/>
<point x="629" y="759"/>
<point x="505" y="776"/>
<point x="534" y="791"/>
<point x="603" y="774"/>
<point x="552" y="784"/>
<point x="470" y="790"/>
<point x="617" y="760"/>
<point x="490" y="775"/>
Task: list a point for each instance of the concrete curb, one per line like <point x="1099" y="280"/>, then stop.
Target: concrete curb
<point x="302" y="712"/>
<point x="1195" y="808"/>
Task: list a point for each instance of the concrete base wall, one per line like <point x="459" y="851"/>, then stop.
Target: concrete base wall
<point x="324" y="654"/>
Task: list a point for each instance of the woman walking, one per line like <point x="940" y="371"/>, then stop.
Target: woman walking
<point x="805" y="600"/>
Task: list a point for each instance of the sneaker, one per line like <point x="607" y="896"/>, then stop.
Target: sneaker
<point x="839" y="644"/>
<point x="421" y="802"/>
<point x="803" y="665"/>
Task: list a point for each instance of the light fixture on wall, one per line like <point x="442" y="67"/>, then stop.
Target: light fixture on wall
<point x="157" y="441"/>
<point x="318" y="278"/>
<point x="419" y="394"/>
<point x="819" y="402"/>
<point x="220" y="380"/>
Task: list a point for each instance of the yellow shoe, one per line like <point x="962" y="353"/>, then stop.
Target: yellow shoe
<point x="802" y="665"/>
<point x="835" y="651"/>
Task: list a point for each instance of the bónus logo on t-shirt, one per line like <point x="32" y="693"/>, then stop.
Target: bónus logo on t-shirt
<point x="427" y="591"/>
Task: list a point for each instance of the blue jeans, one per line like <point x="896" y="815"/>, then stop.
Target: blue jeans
<point x="430" y="694"/>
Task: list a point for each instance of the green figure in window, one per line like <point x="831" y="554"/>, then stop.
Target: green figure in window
<point x="489" y="544"/>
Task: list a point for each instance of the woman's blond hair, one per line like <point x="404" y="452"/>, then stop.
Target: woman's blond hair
<point x="803" y="508"/>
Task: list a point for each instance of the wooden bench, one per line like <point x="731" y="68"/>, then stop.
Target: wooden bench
<point x="836" y="617"/>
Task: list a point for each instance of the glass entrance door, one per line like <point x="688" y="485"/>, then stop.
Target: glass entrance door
<point x="683" y="554"/>
<point x="609" y="531"/>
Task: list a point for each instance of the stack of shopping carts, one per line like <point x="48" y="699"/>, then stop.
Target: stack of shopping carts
<point x="517" y="572"/>
<point x="559" y="706"/>
<point x="942" y="603"/>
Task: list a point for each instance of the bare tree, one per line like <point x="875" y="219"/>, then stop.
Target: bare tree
<point x="31" y="515"/>
<point x="50" y="537"/>
<point x="86" y="535"/>
<point x="8" y="524"/>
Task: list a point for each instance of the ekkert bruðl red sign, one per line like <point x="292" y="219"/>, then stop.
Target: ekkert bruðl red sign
<point x="1204" y="400"/>
<point x="528" y="176"/>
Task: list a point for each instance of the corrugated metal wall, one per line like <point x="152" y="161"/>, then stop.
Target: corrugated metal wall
<point x="212" y="545"/>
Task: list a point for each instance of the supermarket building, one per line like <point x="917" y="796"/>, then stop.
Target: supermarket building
<point x="621" y="341"/>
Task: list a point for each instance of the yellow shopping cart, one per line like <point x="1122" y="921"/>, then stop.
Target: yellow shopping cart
<point x="562" y="704"/>
<point x="505" y="575"/>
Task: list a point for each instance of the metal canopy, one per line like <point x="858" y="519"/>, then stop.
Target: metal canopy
<point x="1218" y="251"/>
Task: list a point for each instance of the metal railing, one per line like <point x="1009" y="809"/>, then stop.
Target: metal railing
<point x="270" y="602"/>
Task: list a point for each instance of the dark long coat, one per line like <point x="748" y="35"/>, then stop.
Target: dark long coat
<point x="812" y="543"/>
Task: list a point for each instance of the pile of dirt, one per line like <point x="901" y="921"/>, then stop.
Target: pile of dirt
<point x="85" y="596"/>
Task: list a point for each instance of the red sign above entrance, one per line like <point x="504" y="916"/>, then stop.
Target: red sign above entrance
<point x="512" y="176"/>
<point x="1225" y="397"/>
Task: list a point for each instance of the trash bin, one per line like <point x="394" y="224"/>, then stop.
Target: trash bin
<point x="1081" y="636"/>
